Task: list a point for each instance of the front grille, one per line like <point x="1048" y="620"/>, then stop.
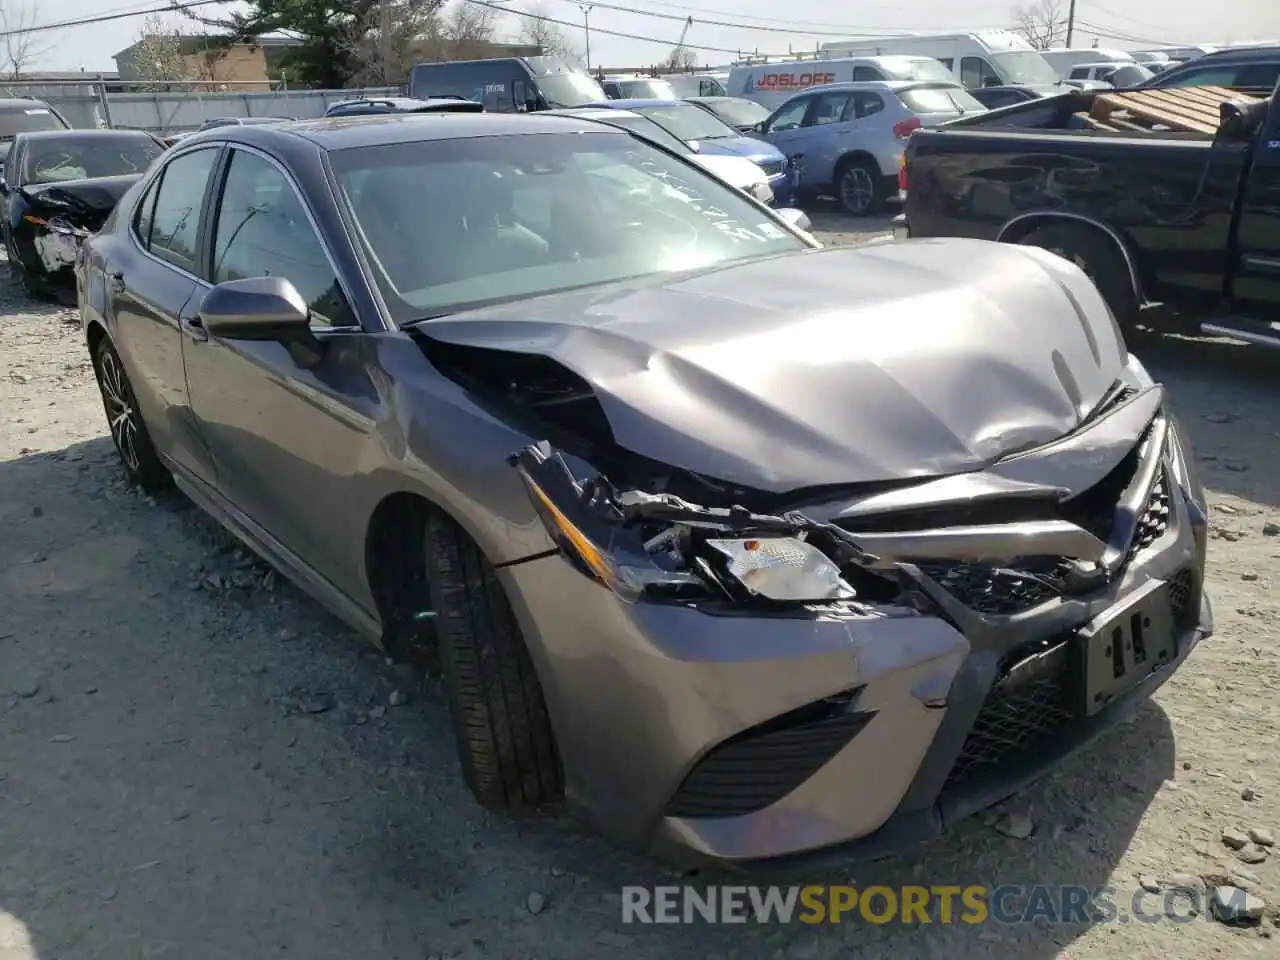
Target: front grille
<point x="760" y="766"/>
<point x="1025" y="707"/>
<point x="1181" y="594"/>
<point x="1154" y="519"/>
<point x="1003" y="590"/>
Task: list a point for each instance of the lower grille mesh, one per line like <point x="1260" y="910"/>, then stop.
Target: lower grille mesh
<point x="1025" y="706"/>
<point x="758" y="768"/>
<point x="997" y="590"/>
<point x="1154" y="519"/>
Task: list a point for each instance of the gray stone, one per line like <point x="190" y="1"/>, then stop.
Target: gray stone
<point x="1233" y="838"/>
<point x="535" y="903"/>
<point x="1262" y="836"/>
<point x="1017" y="826"/>
<point x="1236" y="906"/>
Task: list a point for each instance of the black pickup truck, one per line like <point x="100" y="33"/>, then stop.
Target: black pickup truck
<point x="1183" y="220"/>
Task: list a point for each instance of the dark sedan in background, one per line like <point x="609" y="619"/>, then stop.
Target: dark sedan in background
<point x="686" y="506"/>
<point x="59" y="186"/>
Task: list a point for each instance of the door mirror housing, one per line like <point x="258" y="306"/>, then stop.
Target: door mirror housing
<point x="262" y="308"/>
<point x="797" y="219"/>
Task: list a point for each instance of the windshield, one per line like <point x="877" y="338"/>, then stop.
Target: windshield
<point x="569" y="89"/>
<point x="54" y="161"/>
<point x="688" y="122"/>
<point x="453" y="224"/>
<point x="26" y="120"/>
<point x="740" y="113"/>
<point x="646" y="127"/>
<point x="922" y="68"/>
<point x="1024" y="67"/>
<point x="940" y="100"/>
<point x="646" y="90"/>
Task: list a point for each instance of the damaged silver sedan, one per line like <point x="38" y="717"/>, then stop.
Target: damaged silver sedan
<point x="759" y="552"/>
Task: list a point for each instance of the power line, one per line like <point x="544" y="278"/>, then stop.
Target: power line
<point x="844" y="32"/>
<point x="105" y="17"/>
<point x="665" y="41"/>
<point x="698" y="11"/>
<point x="1111" y="33"/>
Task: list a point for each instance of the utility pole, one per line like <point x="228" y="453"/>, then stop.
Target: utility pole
<point x="586" y="27"/>
<point x="1071" y="21"/>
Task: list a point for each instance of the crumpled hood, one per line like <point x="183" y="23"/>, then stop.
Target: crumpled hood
<point x="93" y="199"/>
<point x="895" y="361"/>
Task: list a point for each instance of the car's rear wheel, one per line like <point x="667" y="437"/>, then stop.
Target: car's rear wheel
<point x="1098" y="257"/>
<point x="505" y="741"/>
<point x="859" y="187"/>
<point x="128" y="431"/>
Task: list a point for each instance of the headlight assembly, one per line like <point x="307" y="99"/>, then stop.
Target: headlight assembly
<point x="646" y="546"/>
<point x="762" y="192"/>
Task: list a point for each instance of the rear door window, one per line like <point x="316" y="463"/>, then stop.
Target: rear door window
<point x="175" y="221"/>
<point x="866" y="105"/>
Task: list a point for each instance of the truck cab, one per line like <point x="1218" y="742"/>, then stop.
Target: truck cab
<point x="1186" y="220"/>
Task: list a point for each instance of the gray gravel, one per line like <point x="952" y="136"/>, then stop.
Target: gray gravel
<point x="198" y="762"/>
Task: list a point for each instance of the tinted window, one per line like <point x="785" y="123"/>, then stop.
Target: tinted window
<point x="1258" y="75"/>
<point x="450" y="224"/>
<point x="828" y="108"/>
<point x="976" y="72"/>
<point x="866" y="104"/>
<point x="78" y="158"/>
<point x="571" y="89"/>
<point x="262" y="230"/>
<point x="176" y="219"/>
<point x="867" y="73"/>
<point x="1204" y="77"/>
<point x="741" y="113"/>
<point x="789" y="115"/>
<point x="999" y="98"/>
<point x="145" y="215"/>
<point x="1079" y="73"/>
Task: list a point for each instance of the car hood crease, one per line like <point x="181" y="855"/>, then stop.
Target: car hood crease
<point x="830" y="367"/>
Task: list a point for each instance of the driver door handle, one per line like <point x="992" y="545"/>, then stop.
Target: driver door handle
<point x="194" y="329"/>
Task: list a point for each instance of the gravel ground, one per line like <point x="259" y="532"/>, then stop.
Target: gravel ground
<point x="198" y="762"/>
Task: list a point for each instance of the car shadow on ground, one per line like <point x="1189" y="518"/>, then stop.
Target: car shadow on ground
<point x="192" y="762"/>
<point x="1225" y="394"/>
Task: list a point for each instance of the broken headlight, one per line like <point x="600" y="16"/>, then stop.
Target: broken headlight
<point x="644" y="545"/>
<point x="783" y="568"/>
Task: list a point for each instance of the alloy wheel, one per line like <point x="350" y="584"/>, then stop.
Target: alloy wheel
<point x="856" y="190"/>
<point x="121" y="416"/>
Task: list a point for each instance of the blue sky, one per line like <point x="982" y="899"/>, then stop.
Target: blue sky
<point x="778" y="25"/>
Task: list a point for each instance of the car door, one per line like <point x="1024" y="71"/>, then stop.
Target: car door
<point x="149" y="285"/>
<point x="12" y="202"/>
<point x="783" y="129"/>
<point x="826" y="127"/>
<point x="1255" y="287"/>
<point x="285" y="435"/>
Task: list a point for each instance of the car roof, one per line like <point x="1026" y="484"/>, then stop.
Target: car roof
<point x="18" y="103"/>
<point x="892" y="86"/>
<point x="385" y="129"/>
<point x="633" y="103"/>
<point x="1263" y="52"/>
<point x="592" y="113"/>
<point x="88" y="133"/>
<point x="715" y="99"/>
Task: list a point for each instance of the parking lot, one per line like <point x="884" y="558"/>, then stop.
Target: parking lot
<point x="198" y="762"/>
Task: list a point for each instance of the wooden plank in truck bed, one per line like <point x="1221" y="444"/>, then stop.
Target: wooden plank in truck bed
<point x="1194" y="115"/>
<point x="1143" y="108"/>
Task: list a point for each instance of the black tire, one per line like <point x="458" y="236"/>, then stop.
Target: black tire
<point x="505" y="741"/>
<point x="1096" y="255"/>
<point x="859" y="187"/>
<point x="128" y="431"/>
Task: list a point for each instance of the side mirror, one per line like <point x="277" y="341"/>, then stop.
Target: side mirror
<point x="761" y="127"/>
<point x="797" y="219"/>
<point x="261" y="308"/>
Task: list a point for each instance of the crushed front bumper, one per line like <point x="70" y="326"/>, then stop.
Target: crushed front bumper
<point x="757" y="741"/>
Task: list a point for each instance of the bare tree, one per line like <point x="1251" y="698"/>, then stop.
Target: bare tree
<point x="550" y="38"/>
<point x="466" y="30"/>
<point x="402" y="33"/>
<point x="1042" y="23"/>
<point x="164" y="52"/>
<point x="22" y="46"/>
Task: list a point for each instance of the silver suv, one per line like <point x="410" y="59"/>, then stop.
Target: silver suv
<point x="847" y="138"/>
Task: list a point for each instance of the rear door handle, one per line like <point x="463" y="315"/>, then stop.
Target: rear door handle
<point x="194" y="329"/>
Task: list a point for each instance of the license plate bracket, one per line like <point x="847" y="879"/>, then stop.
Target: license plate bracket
<point x="1124" y="645"/>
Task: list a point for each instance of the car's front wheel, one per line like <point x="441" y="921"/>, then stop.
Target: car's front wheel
<point x="505" y="741"/>
<point x="128" y="431"/>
